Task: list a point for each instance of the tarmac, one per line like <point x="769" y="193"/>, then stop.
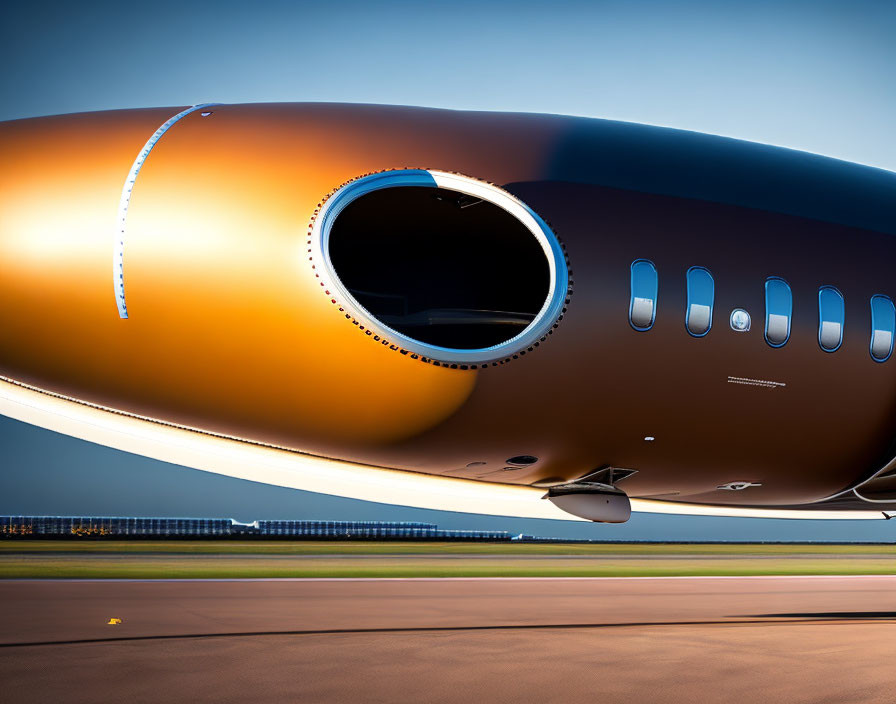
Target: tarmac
<point x="679" y="639"/>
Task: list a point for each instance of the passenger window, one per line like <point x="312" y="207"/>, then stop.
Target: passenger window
<point x="883" y="327"/>
<point x="642" y="308"/>
<point x="701" y="293"/>
<point x="831" y="318"/>
<point x="778" y="309"/>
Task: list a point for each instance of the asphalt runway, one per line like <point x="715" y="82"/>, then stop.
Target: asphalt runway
<point x="704" y="639"/>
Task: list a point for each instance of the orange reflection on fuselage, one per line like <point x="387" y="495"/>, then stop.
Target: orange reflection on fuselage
<point x="228" y="329"/>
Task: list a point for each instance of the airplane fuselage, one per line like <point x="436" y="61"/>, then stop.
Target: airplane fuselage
<point x="233" y="327"/>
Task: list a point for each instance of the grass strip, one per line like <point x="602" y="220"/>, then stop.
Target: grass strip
<point x="279" y="547"/>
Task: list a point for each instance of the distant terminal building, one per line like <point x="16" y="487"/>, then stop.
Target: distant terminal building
<point x="57" y="526"/>
<point x="122" y="527"/>
<point x="371" y="530"/>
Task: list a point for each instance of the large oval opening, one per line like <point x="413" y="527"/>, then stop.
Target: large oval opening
<point x="459" y="268"/>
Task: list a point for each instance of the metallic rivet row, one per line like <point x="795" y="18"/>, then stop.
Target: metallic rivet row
<point x="118" y="256"/>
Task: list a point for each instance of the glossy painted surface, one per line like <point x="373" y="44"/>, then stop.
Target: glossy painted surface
<point x="230" y="332"/>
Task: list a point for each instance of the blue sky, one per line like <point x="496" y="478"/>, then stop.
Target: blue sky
<point x="811" y="75"/>
<point x="816" y="76"/>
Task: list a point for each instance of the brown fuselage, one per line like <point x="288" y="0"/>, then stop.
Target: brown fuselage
<point x="230" y="333"/>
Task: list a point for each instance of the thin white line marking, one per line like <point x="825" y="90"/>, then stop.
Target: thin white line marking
<point x="756" y="382"/>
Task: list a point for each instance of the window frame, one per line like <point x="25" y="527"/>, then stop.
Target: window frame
<point x="769" y="280"/>
<point x="687" y="315"/>
<point x="631" y="300"/>
<point x="552" y="310"/>
<point x="873" y="327"/>
<point x="821" y="320"/>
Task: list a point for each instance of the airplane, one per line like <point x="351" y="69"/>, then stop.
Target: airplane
<point x="468" y="311"/>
